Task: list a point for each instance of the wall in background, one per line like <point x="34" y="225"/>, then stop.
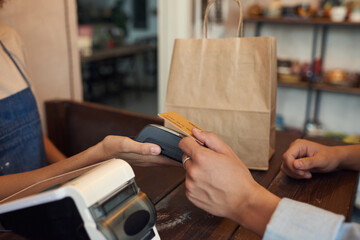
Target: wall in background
<point x="175" y="21"/>
<point x="338" y="112"/>
<point x="49" y="31"/>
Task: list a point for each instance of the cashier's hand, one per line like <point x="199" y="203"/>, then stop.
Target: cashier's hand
<point x="218" y="182"/>
<point x="304" y="157"/>
<point x="142" y="154"/>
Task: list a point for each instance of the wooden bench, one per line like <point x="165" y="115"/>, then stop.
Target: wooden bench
<point x="75" y="126"/>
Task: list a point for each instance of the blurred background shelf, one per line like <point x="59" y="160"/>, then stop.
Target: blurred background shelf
<point x="322" y="87"/>
<point x="320" y="30"/>
<point x="118" y="52"/>
<point x="290" y="20"/>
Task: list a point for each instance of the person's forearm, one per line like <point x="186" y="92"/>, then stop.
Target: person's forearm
<point x="256" y="214"/>
<point x="52" y="152"/>
<point x="13" y="183"/>
<point x="349" y="157"/>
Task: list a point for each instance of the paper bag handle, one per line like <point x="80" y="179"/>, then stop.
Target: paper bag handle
<point x="239" y="32"/>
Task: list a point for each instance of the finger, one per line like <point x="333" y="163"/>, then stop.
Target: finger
<point x="130" y="146"/>
<point x="186" y="160"/>
<point x="150" y="149"/>
<point x="289" y="172"/>
<point x="287" y="165"/>
<point x="298" y="149"/>
<point x="307" y="175"/>
<point x="291" y="153"/>
<point x="293" y="173"/>
<point x="211" y="140"/>
<point x="287" y="161"/>
<point x="200" y="199"/>
<point x="292" y="166"/>
<point x="189" y="146"/>
<point x="144" y="148"/>
<point x="195" y="194"/>
<point x="306" y="163"/>
<point x="198" y="154"/>
<point x="302" y="174"/>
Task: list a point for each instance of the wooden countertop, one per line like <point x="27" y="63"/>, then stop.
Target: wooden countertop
<point x="177" y="217"/>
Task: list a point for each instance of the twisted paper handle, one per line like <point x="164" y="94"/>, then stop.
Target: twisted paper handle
<point x="239" y="32"/>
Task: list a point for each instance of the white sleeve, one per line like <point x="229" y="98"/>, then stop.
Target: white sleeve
<point x="294" y="220"/>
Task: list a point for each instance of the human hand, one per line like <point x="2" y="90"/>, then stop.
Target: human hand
<point x="136" y="153"/>
<point x="304" y="157"/>
<point x="218" y="182"/>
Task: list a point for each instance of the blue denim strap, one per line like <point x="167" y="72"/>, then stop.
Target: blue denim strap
<point x="15" y="63"/>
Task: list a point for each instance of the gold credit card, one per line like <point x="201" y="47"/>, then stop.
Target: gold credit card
<point x="181" y="123"/>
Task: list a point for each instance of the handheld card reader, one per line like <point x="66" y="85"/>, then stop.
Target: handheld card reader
<point x="104" y="203"/>
<point x="166" y="138"/>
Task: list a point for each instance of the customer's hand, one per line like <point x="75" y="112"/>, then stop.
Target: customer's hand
<point x="304" y="157"/>
<point x="218" y="182"/>
<point x="136" y="153"/>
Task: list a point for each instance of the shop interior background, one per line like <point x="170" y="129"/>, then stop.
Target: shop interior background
<point x="136" y="80"/>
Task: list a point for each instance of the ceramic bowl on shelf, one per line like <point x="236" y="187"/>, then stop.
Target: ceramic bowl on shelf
<point x="341" y="78"/>
<point x="255" y="10"/>
<point x="275" y="9"/>
<point x="355" y="16"/>
<point x="338" y="14"/>
<point x="289" y="78"/>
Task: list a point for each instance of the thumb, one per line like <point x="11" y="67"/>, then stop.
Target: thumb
<point x="306" y="163"/>
<point x="125" y="144"/>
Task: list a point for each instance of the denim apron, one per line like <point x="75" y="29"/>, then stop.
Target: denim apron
<point x="21" y="138"/>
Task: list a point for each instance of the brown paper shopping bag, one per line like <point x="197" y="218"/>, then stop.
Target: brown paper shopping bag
<point x="228" y="86"/>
